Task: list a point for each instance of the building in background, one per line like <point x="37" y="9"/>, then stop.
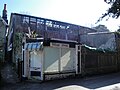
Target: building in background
<point x="21" y="25"/>
<point x="3" y="30"/>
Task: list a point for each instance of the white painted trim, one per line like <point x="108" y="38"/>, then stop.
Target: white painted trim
<point x="80" y="59"/>
<point x="25" y="64"/>
<point x="65" y="45"/>
<point x="55" y="44"/>
<point x="29" y="64"/>
<point x="42" y="64"/>
<point x="60" y="45"/>
<point x="59" y="62"/>
<point x="76" y="49"/>
<point x="63" y="40"/>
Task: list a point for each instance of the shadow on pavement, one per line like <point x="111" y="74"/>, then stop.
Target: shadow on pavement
<point x="85" y="83"/>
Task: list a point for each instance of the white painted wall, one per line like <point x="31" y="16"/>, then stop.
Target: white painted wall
<point x="58" y="59"/>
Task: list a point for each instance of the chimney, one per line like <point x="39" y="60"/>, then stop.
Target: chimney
<point x="4" y="14"/>
<point x="4" y="6"/>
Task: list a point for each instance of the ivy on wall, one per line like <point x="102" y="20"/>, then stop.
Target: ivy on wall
<point x="17" y="45"/>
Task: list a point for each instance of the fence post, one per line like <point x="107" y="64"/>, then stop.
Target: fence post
<point x="98" y="63"/>
<point x="20" y="69"/>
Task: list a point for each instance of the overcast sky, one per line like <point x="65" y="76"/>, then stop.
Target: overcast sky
<point x="80" y="12"/>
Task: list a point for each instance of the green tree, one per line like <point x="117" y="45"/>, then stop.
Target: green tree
<point x="113" y="11"/>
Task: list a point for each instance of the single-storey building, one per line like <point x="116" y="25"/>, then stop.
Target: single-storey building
<point x="53" y="57"/>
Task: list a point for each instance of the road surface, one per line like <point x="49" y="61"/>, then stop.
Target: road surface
<point x="101" y="82"/>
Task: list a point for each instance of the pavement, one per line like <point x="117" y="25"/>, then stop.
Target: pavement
<point x="101" y="82"/>
<point x="8" y="74"/>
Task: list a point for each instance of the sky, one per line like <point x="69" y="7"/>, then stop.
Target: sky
<point x="80" y="12"/>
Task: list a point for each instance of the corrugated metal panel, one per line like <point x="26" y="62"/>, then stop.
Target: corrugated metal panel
<point x="33" y="46"/>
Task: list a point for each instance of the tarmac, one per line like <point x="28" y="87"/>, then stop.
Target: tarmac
<point x="99" y="82"/>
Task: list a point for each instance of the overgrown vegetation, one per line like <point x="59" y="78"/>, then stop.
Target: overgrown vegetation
<point x="18" y="45"/>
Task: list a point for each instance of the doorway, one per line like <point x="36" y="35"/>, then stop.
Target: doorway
<point x="35" y="65"/>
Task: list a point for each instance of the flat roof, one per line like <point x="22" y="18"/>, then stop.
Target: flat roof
<point x="49" y="40"/>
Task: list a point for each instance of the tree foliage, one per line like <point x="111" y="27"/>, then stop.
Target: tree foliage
<point x="113" y="11"/>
